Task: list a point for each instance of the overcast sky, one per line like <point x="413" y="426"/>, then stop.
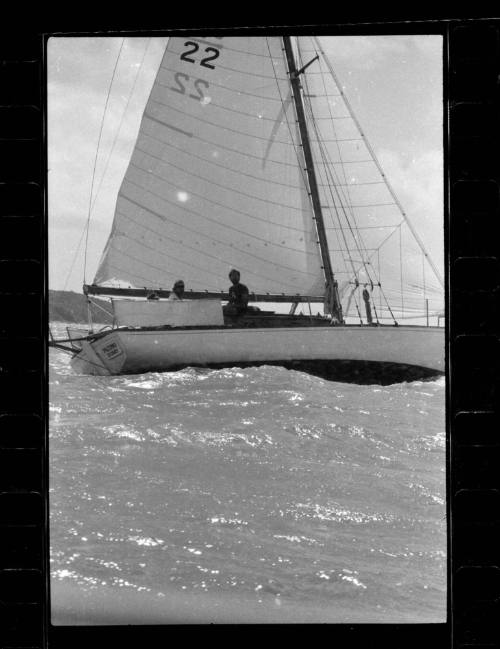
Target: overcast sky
<point x="394" y="85"/>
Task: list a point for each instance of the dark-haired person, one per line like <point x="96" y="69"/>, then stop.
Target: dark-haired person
<point x="238" y="295"/>
<point x="177" y="292"/>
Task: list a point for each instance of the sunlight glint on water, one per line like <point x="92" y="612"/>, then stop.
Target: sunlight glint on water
<point x="256" y="494"/>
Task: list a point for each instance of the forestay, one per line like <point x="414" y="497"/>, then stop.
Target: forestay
<point x="216" y="179"/>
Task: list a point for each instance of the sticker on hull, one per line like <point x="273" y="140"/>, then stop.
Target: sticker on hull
<point x="112" y="350"/>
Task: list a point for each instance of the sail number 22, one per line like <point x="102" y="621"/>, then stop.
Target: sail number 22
<point x="181" y="79"/>
<point x="214" y="54"/>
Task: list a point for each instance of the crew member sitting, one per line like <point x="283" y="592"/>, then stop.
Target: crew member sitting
<point x="177" y="292"/>
<point x="238" y="295"/>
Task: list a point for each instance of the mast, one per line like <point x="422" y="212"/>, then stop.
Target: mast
<point x="332" y="299"/>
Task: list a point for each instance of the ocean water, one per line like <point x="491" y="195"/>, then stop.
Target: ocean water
<point x="245" y="495"/>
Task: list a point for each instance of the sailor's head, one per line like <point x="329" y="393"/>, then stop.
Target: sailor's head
<point x="234" y="275"/>
<point x="178" y="287"/>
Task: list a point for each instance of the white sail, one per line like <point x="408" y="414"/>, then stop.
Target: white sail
<point x="369" y="238"/>
<point x="216" y="179"/>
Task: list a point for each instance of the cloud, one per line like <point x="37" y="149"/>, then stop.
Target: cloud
<point x="369" y="52"/>
<point x="364" y="52"/>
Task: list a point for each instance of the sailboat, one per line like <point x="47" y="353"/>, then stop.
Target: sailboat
<point x="249" y="156"/>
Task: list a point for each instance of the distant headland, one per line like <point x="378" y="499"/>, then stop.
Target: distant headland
<point x="67" y="306"/>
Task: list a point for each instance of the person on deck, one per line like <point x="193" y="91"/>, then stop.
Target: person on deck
<point x="366" y="298"/>
<point x="238" y="295"/>
<point x="177" y="292"/>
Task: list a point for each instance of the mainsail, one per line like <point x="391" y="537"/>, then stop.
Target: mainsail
<point x="217" y="179"/>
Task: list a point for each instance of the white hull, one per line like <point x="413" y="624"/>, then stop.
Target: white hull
<point x="132" y="351"/>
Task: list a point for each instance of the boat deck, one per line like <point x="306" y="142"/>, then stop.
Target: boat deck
<point x="272" y="319"/>
<point x="251" y="320"/>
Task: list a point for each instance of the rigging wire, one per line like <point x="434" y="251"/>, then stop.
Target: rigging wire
<point x="298" y="150"/>
<point x="401" y="270"/>
<point x="343" y="198"/>
<point x="296" y="147"/>
<point x="357" y="238"/>
<point x="74" y="258"/>
<point x="365" y="260"/>
<point x="379" y="275"/>
<point x="341" y="187"/>
<point x="95" y="161"/>
<point x="122" y="120"/>
<point x="340" y="209"/>
<point x="344" y="202"/>
<point x="326" y="185"/>
<point x="375" y="308"/>
<point x="423" y="278"/>
<point x="344" y="212"/>
<point x="389" y="187"/>
<point x="357" y="309"/>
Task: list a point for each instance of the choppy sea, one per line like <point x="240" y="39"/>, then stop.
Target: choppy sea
<point x="245" y="495"/>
